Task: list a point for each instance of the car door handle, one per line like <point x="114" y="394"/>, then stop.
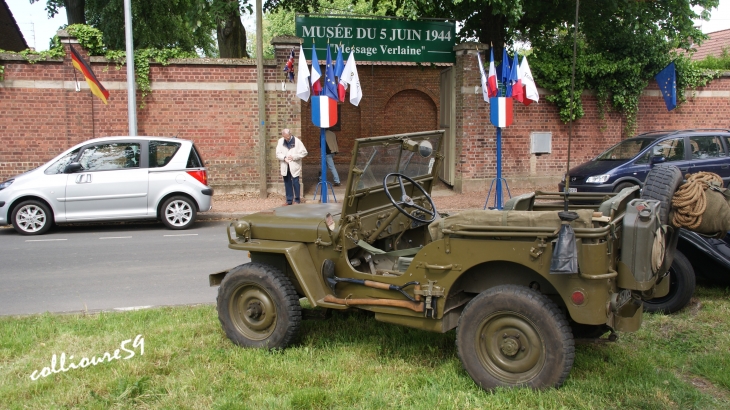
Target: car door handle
<point x="683" y="169"/>
<point x="83" y="178"/>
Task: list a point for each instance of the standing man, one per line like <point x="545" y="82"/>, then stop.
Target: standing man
<point x="332" y="149"/>
<point x="290" y="151"/>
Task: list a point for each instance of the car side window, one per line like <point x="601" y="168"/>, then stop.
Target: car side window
<point x="161" y="152"/>
<point x="194" y="160"/>
<point x="672" y="149"/>
<point x="111" y="156"/>
<point x="706" y="146"/>
<point x="60" y="164"/>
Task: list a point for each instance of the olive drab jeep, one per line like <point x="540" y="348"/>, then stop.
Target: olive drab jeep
<point x="517" y="284"/>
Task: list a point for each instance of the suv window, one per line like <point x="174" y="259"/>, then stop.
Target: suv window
<point x="161" y="152"/>
<point x="672" y="149"/>
<point x="60" y="164"/>
<point x="194" y="159"/>
<point x="112" y="156"/>
<point x="706" y="146"/>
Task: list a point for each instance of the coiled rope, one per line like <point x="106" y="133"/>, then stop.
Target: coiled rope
<point x="690" y="201"/>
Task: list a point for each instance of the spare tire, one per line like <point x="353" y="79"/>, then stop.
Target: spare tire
<point x="660" y="184"/>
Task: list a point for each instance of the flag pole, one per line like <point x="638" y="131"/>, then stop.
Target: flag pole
<point x="498" y="196"/>
<point x="323" y="179"/>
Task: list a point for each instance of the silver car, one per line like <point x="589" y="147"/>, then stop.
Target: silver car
<point x="113" y="178"/>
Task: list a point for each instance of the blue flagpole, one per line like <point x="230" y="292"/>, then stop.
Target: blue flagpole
<point x="498" y="196"/>
<point x="323" y="180"/>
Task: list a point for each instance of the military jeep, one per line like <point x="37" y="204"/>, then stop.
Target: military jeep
<point x="489" y="274"/>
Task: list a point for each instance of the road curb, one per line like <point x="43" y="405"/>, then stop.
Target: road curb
<point x="216" y="216"/>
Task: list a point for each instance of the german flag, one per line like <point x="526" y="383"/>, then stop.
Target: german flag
<point x="96" y="88"/>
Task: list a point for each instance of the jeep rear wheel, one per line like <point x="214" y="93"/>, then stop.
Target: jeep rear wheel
<point x="514" y="336"/>
<point x="682" y="284"/>
<point x="258" y="307"/>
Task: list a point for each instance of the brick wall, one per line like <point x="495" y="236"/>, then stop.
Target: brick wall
<point x="214" y="103"/>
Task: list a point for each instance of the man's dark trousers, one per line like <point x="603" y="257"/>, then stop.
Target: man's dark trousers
<point x="291" y="184"/>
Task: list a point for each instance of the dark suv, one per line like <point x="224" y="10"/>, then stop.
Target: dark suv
<point x="627" y="163"/>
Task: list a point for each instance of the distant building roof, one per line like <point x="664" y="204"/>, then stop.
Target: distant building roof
<point x="11" y="39"/>
<point x="713" y="45"/>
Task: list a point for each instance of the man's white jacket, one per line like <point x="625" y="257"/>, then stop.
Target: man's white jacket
<point x="296" y="153"/>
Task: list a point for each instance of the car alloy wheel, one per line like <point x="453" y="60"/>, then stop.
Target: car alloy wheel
<point x="178" y="212"/>
<point x="32" y="218"/>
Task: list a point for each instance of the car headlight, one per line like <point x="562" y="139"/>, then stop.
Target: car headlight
<point x="6" y="184"/>
<point x="598" y="179"/>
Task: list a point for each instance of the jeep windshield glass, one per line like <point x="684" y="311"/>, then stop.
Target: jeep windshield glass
<point x="381" y="158"/>
<point x="625" y="150"/>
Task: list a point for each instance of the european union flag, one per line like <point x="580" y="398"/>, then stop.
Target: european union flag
<point x="667" y="80"/>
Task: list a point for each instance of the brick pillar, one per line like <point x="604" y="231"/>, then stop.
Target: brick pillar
<point x="475" y="136"/>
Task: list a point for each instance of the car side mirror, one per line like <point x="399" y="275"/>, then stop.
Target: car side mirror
<point x="72" y="167"/>
<point x="657" y="159"/>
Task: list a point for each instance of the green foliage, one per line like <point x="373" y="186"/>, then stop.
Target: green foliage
<point x="183" y="24"/>
<point x="716" y="63"/>
<point x="621" y="47"/>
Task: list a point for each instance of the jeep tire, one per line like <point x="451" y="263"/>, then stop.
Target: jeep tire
<point x="259" y="307"/>
<point x="514" y="336"/>
<point x="681" y="277"/>
<point x="660" y="184"/>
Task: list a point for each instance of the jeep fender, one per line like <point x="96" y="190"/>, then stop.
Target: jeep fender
<point x="292" y="258"/>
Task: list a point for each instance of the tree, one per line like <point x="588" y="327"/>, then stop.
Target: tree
<point x="186" y="24"/>
<point x="230" y="30"/>
<point x="74" y="9"/>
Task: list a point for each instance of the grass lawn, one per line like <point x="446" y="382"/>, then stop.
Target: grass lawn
<point x="347" y="361"/>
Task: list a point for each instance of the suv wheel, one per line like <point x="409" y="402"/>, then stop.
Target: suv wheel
<point x="514" y="336"/>
<point x="178" y="212"/>
<point x="259" y="307"/>
<point x="622" y="185"/>
<point x="682" y="282"/>
<point x="32" y="218"/>
<point x="660" y="184"/>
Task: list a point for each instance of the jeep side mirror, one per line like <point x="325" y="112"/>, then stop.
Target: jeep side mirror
<point x="72" y="167"/>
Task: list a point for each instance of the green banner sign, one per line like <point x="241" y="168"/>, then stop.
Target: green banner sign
<point x="379" y="39"/>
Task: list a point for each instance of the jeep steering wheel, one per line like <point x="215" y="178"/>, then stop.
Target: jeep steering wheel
<point x="407" y="201"/>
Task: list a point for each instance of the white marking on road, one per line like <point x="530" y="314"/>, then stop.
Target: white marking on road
<point x="44" y="240"/>
<point x="115" y="237"/>
<point x="184" y="234"/>
<point x="127" y="309"/>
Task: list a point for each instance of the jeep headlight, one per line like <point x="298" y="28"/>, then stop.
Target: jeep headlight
<point x="242" y="229"/>
<point x="598" y="179"/>
<point x="6" y="184"/>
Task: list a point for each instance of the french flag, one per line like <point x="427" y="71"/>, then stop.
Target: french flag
<point x="316" y="73"/>
<point x="492" y="77"/>
<point x="324" y="111"/>
<point x="500" y="111"/>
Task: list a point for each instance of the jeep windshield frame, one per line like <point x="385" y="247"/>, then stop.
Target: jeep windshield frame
<point x="374" y="158"/>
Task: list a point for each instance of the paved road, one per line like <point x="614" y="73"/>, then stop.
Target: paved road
<point x="103" y="267"/>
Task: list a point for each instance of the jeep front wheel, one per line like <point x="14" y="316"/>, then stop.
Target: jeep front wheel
<point x="513" y="336"/>
<point x="258" y="307"/>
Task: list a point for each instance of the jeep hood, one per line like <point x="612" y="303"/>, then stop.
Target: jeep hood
<point x="295" y="223"/>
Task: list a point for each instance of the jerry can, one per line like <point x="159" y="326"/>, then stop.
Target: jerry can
<point x="640" y="229"/>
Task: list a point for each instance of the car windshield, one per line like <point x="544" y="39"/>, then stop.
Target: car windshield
<point x="625" y="150"/>
<point x="378" y="158"/>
